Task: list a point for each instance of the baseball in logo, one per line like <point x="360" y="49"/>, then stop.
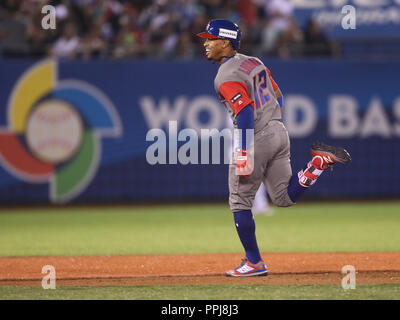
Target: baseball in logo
<point x="54" y="131"/>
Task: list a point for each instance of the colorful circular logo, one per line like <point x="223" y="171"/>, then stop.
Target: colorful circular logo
<point x="54" y="131"/>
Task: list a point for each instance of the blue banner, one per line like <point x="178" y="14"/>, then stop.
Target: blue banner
<point x="81" y="131"/>
<point x="372" y="18"/>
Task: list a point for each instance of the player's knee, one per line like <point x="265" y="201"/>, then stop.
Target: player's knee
<point x="283" y="204"/>
<point x="239" y="204"/>
<point x="282" y="201"/>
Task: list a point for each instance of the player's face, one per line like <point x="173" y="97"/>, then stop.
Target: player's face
<point x="214" y="48"/>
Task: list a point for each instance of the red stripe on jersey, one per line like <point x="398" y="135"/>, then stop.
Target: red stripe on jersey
<point x="274" y="84"/>
<point x="236" y="94"/>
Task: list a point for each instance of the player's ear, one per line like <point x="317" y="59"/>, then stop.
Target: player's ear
<point x="229" y="43"/>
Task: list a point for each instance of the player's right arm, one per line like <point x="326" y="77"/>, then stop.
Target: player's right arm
<point x="277" y="91"/>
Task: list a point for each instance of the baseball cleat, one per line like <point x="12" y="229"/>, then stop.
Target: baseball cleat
<point x="325" y="155"/>
<point x="248" y="269"/>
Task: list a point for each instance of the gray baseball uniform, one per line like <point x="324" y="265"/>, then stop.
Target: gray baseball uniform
<point x="244" y="80"/>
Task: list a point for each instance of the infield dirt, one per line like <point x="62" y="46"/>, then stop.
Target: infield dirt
<point x="284" y="268"/>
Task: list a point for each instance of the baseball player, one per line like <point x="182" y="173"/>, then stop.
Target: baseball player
<point x="254" y="100"/>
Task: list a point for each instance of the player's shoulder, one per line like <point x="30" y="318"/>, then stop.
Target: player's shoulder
<point x="240" y="60"/>
<point x="243" y="57"/>
<point x="245" y="60"/>
<point x="226" y="72"/>
<point x="243" y="64"/>
<point x="238" y="68"/>
<point x="231" y="68"/>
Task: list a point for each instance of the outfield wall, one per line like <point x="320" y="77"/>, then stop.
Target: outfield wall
<point x="353" y="104"/>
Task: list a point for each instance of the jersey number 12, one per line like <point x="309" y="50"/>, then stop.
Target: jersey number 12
<point x="261" y="93"/>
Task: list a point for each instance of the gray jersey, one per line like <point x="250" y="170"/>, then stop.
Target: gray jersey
<point x="242" y="80"/>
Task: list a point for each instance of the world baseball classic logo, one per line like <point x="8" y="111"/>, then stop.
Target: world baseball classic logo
<point x="54" y="131"/>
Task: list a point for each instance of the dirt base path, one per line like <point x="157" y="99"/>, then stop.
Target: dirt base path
<point x="284" y="268"/>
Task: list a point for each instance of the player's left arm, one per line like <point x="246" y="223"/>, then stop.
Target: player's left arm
<point x="279" y="96"/>
<point x="277" y="91"/>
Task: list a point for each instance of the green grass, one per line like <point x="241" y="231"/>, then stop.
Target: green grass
<point x="321" y="227"/>
<point x="206" y="292"/>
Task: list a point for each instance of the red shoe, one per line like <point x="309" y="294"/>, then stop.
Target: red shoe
<point x="248" y="269"/>
<point x="324" y="155"/>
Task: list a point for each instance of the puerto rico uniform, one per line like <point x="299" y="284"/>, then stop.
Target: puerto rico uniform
<point x="244" y="83"/>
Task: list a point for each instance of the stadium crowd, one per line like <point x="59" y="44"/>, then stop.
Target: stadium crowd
<point x="88" y="29"/>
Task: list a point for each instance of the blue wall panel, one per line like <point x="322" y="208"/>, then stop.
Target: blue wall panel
<point x="352" y="104"/>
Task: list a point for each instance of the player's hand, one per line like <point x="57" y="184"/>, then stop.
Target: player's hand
<point x="243" y="164"/>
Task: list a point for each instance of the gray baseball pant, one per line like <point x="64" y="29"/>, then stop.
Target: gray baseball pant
<point x="271" y="166"/>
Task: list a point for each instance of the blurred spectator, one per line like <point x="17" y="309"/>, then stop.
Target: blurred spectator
<point x="315" y="41"/>
<point x="36" y="41"/>
<point x="292" y="41"/>
<point x="252" y="21"/>
<point x="213" y="8"/>
<point x="87" y="29"/>
<point x="93" y="45"/>
<point x="62" y="13"/>
<point x="280" y="31"/>
<point x="13" y="30"/>
<point x="67" y="46"/>
<point x="170" y="40"/>
<point x="198" y="25"/>
<point x="248" y="12"/>
<point x="128" y="41"/>
<point x="230" y="11"/>
<point x="185" y="48"/>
